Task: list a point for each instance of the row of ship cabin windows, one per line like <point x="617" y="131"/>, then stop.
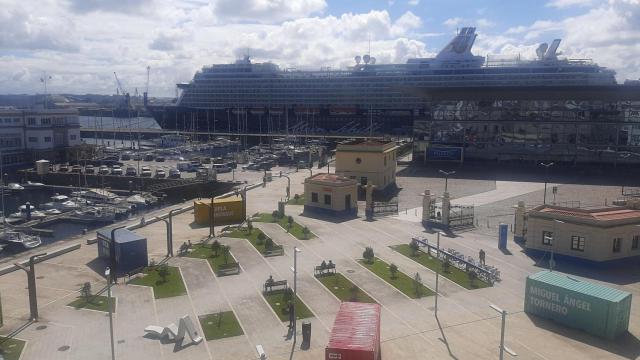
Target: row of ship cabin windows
<point x="578" y="242"/>
<point x="48" y="138"/>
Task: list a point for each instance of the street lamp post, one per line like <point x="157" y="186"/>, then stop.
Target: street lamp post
<point x="31" y="285"/>
<point x="552" y="262"/>
<point x="504" y="319"/>
<point x="112" y="254"/>
<point x="446" y="177"/>
<point x="295" y="288"/>
<point x="546" y="179"/>
<point x="170" y="245"/>
<point x="437" y="270"/>
<point x="107" y="273"/>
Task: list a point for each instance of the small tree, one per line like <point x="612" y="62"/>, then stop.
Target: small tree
<point x="446" y="266"/>
<point x="261" y="238"/>
<point x="226" y="250"/>
<point x="85" y="291"/>
<point x="163" y="272"/>
<point x="289" y="222"/>
<point x="473" y="276"/>
<point x="296" y="198"/>
<point x="393" y="269"/>
<point x="354" y="290"/>
<point x="275" y="215"/>
<point x="268" y="244"/>
<point x="305" y="232"/>
<point x="368" y="254"/>
<point x="215" y="247"/>
<point x="414" y="247"/>
<point x="417" y="283"/>
<point x="249" y="226"/>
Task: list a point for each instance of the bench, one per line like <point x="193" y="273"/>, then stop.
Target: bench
<point x="325" y="268"/>
<point x="228" y="269"/>
<point x="278" y="285"/>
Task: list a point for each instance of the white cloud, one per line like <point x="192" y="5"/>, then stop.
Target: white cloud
<point x="568" y="3"/>
<point x="265" y="11"/>
<point x="453" y="21"/>
<point x="485" y="23"/>
<point x="121" y="6"/>
<point x="20" y="29"/>
<point x="413" y="2"/>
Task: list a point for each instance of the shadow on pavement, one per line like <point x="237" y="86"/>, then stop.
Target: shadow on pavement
<point x="627" y="345"/>
<point x="444" y="339"/>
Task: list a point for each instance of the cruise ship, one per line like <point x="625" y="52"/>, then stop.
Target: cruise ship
<point x="440" y="101"/>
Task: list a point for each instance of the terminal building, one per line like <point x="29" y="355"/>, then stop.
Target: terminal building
<point x="29" y="135"/>
<point x="595" y="234"/>
<point x="368" y="161"/>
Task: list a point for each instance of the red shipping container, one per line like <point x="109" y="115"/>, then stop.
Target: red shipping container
<point x="356" y="333"/>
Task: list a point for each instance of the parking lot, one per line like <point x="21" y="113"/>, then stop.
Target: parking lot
<point x="465" y="328"/>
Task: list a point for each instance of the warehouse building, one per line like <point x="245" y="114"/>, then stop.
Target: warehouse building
<point x="594" y="234"/>
<point x="370" y="161"/>
<point x="330" y="194"/>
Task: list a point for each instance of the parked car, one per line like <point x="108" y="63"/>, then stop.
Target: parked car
<point x="76" y="168"/>
<point x="160" y="174"/>
<point x="206" y="160"/>
<point x="125" y="157"/>
<point x="221" y="168"/>
<point x="89" y="169"/>
<point x="137" y="157"/>
<point x="131" y="171"/>
<point x="145" y="171"/>
<point x="174" y="174"/>
<point x="148" y="157"/>
<point x="63" y="168"/>
<point x="185" y="166"/>
<point x="116" y="170"/>
<point x="103" y="170"/>
<point x="160" y="159"/>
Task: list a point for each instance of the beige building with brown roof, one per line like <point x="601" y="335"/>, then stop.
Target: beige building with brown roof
<point x="365" y="161"/>
<point x="331" y="194"/>
<point x="595" y="234"/>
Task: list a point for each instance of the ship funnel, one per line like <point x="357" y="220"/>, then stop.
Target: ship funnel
<point x="552" y="52"/>
<point x="366" y="58"/>
<point x="541" y="50"/>
<point x="358" y="59"/>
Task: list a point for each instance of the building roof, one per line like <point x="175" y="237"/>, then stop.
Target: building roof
<point x="367" y="145"/>
<point x="121" y="235"/>
<point x="330" y="179"/>
<point x="598" y="215"/>
<point x="356" y="327"/>
<point x="583" y="287"/>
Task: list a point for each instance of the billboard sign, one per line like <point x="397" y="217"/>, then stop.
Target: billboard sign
<point x="441" y="153"/>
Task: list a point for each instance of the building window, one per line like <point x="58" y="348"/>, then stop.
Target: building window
<point x="617" y="245"/>
<point x="45" y="121"/>
<point x="33" y="139"/>
<point x="634" y="242"/>
<point x="31" y="121"/>
<point x="314" y="197"/>
<point x="547" y="238"/>
<point x="577" y="243"/>
<point x="72" y="137"/>
<point x="47" y="139"/>
<point x="327" y="199"/>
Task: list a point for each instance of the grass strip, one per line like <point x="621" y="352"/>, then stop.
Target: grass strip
<point x="205" y="251"/>
<point x="456" y="275"/>
<point x="220" y="325"/>
<point x="279" y="302"/>
<point x="344" y="289"/>
<point x="171" y="286"/>
<point x="296" y="229"/>
<point x="96" y="302"/>
<point x="401" y="281"/>
<point x="11" y="349"/>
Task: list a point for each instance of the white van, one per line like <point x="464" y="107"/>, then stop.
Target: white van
<point x="221" y="168"/>
<point x="185" y="166"/>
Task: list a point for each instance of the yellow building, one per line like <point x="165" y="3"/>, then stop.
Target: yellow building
<point x="331" y="194"/>
<point x="594" y="234"/>
<point x="371" y="161"/>
<point x="229" y="210"/>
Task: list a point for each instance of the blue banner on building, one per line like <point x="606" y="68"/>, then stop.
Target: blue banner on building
<point x="444" y="153"/>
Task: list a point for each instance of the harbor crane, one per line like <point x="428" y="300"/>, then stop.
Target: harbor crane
<point x="120" y="91"/>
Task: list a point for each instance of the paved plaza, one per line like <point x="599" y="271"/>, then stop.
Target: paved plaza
<point x="465" y="328"/>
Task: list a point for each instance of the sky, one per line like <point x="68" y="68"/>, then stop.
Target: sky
<point x="79" y="44"/>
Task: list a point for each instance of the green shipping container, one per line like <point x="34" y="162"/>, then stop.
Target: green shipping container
<point x="596" y="309"/>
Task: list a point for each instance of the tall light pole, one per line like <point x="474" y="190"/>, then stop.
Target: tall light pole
<point x="112" y="254"/>
<point x="446" y="177"/>
<point x="107" y="273"/>
<point x="170" y="245"/>
<point x="437" y="269"/>
<point x="546" y="179"/>
<point x="31" y="285"/>
<point x="295" y="289"/>
<point x="504" y="319"/>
